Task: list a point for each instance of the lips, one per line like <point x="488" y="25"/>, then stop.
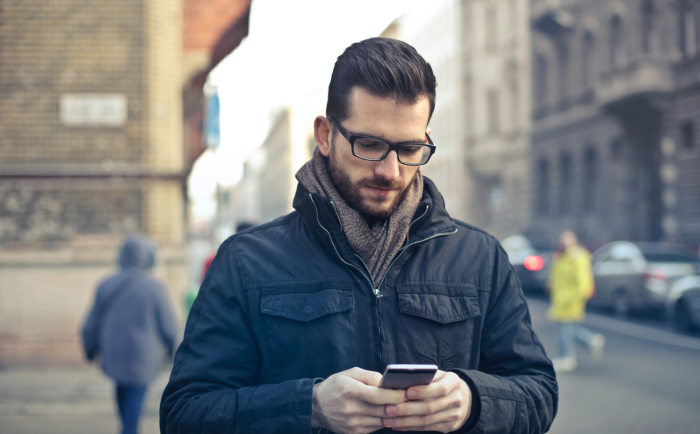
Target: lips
<point x="380" y="191"/>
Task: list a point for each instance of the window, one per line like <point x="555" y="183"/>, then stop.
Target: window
<point x="491" y="28"/>
<point x="587" y="67"/>
<point x="648" y="13"/>
<point x="494" y="124"/>
<point x="513" y="16"/>
<point x="542" y="193"/>
<point x="688" y="135"/>
<point x="565" y="183"/>
<point x="514" y="105"/>
<point x="686" y="28"/>
<point x="563" y="56"/>
<point x="590" y="174"/>
<point x="615" y="40"/>
<point x="541" y="80"/>
<point x="495" y="196"/>
<point x="616" y="148"/>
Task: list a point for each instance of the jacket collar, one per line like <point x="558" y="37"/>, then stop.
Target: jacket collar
<point x="431" y="216"/>
<point x="436" y="220"/>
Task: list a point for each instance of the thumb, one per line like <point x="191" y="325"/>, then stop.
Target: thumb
<point x="369" y="378"/>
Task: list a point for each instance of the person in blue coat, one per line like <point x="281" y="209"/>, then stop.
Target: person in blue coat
<point x="130" y="326"/>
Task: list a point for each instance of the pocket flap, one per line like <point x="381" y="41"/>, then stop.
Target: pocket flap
<point x="439" y="307"/>
<point x="307" y="306"/>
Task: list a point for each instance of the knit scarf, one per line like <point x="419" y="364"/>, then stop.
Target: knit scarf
<point x="376" y="245"/>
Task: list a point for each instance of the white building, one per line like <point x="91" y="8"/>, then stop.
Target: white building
<point x="268" y="185"/>
<point x="479" y="51"/>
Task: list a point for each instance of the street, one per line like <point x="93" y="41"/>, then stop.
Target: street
<point x="63" y="401"/>
<point x="647" y="382"/>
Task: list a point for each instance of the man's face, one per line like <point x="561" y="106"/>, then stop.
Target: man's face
<point x="375" y="188"/>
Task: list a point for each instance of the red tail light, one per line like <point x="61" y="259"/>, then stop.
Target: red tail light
<point x="534" y="263"/>
<point x="655" y="273"/>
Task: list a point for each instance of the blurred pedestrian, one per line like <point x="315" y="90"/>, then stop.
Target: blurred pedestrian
<point x="571" y="285"/>
<point x="130" y="326"/>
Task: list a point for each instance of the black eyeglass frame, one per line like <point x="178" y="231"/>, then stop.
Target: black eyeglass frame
<point x="350" y="137"/>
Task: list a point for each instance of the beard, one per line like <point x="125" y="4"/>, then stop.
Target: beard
<point x="371" y="209"/>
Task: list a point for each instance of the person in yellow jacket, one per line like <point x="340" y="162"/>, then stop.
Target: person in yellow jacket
<point x="571" y="285"/>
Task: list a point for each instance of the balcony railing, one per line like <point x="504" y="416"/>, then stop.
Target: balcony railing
<point x="639" y="77"/>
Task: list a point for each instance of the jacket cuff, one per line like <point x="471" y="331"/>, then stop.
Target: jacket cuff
<point x="476" y="402"/>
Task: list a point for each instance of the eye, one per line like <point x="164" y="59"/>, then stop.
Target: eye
<point x="367" y="144"/>
<point x="411" y="149"/>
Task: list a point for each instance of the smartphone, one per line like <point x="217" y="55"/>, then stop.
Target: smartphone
<point x="401" y="377"/>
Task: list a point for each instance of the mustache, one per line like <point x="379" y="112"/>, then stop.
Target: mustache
<point x="379" y="182"/>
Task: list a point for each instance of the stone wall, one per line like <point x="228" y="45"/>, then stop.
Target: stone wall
<point x="618" y="79"/>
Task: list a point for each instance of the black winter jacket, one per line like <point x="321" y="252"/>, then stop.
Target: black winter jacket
<point x="288" y="303"/>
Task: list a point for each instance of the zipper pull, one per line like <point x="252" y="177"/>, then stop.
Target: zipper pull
<point x="377" y="293"/>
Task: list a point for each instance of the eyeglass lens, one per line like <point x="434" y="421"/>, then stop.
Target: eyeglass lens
<point x="375" y="150"/>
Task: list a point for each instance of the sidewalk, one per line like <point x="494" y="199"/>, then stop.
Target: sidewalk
<point x="67" y="401"/>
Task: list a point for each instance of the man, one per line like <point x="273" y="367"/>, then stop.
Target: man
<point x="297" y="318"/>
<point x="130" y="324"/>
<point x="571" y="285"/>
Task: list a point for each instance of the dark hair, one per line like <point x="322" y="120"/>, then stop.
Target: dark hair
<point x="383" y="67"/>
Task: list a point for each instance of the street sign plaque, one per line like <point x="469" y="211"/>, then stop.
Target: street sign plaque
<point x="93" y="109"/>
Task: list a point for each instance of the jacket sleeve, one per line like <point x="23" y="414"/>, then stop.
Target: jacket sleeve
<point x="167" y="325"/>
<point x="213" y="386"/>
<point x="90" y="332"/>
<point x="584" y="275"/>
<point x="515" y="384"/>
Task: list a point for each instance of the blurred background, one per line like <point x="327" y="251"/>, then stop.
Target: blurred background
<point x="182" y="119"/>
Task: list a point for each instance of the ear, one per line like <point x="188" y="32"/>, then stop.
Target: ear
<point x="323" y="133"/>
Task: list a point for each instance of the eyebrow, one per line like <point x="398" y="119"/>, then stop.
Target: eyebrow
<point x="370" y="136"/>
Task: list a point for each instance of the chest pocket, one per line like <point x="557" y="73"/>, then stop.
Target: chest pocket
<point x="311" y="329"/>
<point x="441" y="319"/>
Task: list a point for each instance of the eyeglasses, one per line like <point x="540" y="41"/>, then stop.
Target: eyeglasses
<point x="373" y="149"/>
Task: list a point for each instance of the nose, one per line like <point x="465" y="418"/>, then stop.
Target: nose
<point x="388" y="168"/>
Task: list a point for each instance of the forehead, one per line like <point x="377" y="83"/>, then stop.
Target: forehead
<point x="387" y="118"/>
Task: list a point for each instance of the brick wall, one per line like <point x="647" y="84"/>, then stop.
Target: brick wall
<point x="68" y="195"/>
<point x="49" y="48"/>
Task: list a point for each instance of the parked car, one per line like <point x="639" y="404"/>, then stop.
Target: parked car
<point x="531" y="258"/>
<point x="683" y="304"/>
<point x="634" y="276"/>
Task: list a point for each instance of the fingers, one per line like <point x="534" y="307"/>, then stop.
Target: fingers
<point x="443" y="405"/>
<point x="422" y="408"/>
<point x="368" y="392"/>
<point x="448" y="420"/>
<point x="443" y="384"/>
<point x="377" y="396"/>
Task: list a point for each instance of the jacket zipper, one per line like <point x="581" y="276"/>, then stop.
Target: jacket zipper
<point x="369" y="279"/>
<point x="376" y="291"/>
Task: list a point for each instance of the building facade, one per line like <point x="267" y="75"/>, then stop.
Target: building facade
<point x="268" y="185"/>
<point x="91" y="149"/>
<point x="498" y="98"/>
<point x="479" y="51"/>
<point x="616" y="108"/>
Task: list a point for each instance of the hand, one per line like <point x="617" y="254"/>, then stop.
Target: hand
<point x="351" y="402"/>
<point x="443" y="405"/>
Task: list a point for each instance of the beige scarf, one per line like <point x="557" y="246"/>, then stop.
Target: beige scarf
<point x="377" y="245"/>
